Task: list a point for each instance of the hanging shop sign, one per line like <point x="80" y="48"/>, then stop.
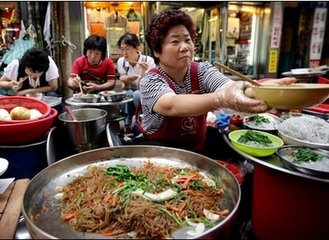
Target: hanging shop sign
<point x="277" y="25"/>
<point x="272" y="62"/>
<point x="317" y="37"/>
<point x="275" y="37"/>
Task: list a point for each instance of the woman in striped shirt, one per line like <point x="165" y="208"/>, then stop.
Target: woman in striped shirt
<point x="177" y="95"/>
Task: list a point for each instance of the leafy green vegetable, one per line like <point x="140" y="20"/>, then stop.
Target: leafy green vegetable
<point x="252" y="136"/>
<point x="123" y="173"/>
<point x="133" y="182"/>
<point x="259" y="119"/>
<point x="176" y="218"/>
<point x="306" y="155"/>
<point x="195" y="184"/>
<point x="79" y="198"/>
<point x="205" y="221"/>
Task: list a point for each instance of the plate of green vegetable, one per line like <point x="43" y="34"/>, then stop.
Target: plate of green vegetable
<point x="308" y="160"/>
<point x="255" y="143"/>
<point x="262" y="121"/>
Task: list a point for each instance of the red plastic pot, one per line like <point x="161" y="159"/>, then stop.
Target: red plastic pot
<point x="26" y="132"/>
<point x="288" y="207"/>
<point x="235" y="169"/>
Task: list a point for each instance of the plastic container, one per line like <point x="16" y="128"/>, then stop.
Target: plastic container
<point x="256" y="151"/>
<point x="235" y="123"/>
<point x="288" y="207"/>
<point x="26" y="132"/>
<point x="25" y="161"/>
<point x="9" y="102"/>
<point x="323" y="80"/>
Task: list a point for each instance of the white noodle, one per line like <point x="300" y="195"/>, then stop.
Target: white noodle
<point x="320" y="165"/>
<point x="306" y="128"/>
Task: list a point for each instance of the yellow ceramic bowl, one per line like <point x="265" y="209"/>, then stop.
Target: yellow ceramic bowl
<point x="294" y="96"/>
<point x="254" y="150"/>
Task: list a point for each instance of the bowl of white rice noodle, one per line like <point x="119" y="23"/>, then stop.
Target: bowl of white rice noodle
<point x="305" y="130"/>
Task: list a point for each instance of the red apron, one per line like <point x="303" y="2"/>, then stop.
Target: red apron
<point x="183" y="132"/>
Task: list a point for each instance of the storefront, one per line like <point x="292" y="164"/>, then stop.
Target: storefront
<point x="20" y="29"/>
<point x="10" y="23"/>
<point x="305" y="35"/>
<point x="258" y="39"/>
<point x="112" y="19"/>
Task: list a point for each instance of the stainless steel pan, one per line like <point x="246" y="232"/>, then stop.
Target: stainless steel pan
<point x="43" y="186"/>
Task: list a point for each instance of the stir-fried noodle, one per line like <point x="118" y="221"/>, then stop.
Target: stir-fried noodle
<point x="145" y="202"/>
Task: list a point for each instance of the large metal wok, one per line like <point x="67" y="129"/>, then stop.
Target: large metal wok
<point x="44" y="186"/>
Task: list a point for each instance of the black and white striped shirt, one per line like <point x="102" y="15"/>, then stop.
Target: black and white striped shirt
<point x="152" y="87"/>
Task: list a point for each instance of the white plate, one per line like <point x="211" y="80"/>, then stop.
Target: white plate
<point x="274" y="121"/>
<point x="320" y="167"/>
<point x="3" y="165"/>
<point x="303" y="73"/>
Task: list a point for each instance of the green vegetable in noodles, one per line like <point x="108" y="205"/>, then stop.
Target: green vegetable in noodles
<point x="306" y="155"/>
<point x="123" y="173"/>
<point x="252" y="136"/>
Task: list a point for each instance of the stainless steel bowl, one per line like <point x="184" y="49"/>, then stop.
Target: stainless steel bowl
<point x="37" y="95"/>
<point x="43" y="187"/>
<point x="113" y="96"/>
<point x="90" y="98"/>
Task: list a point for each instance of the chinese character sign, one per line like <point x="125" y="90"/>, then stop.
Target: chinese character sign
<point x="277" y="25"/>
<point x="273" y="58"/>
<point x="318" y="30"/>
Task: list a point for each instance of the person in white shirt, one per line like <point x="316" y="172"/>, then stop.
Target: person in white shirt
<point x="131" y="67"/>
<point x="34" y="72"/>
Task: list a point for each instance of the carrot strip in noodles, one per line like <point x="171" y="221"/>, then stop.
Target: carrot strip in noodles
<point x="223" y="212"/>
<point x="67" y="217"/>
<point x="181" y="180"/>
<point x="121" y="184"/>
<point x="189" y="179"/>
<point x="112" y="233"/>
<point x="176" y="209"/>
<point x="43" y="207"/>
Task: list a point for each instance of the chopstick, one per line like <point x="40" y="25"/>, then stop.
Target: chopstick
<point x="80" y="86"/>
<point x="23" y="79"/>
<point x="241" y="76"/>
<point x="81" y="90"/>
<point x="71" y="113"/>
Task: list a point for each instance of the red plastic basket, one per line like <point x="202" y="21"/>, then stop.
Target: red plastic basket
<point x="26" y="132"/>
<point x="9" y="102"/>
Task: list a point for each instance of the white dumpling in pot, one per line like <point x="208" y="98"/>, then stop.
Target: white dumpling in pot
<point x="4" y="114"/>
<point x="35" y="114"/>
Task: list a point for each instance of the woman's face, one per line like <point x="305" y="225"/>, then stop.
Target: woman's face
<point x="129" y="52"/>
<point x="94" y="56"/>
<point x="33" y="75"/>
<point x="177" y="49"/>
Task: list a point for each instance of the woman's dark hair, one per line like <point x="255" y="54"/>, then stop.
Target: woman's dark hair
<point x="36" y="59"/>
<point x="162" y="23"/>
<point x="95" y="42"/>
<point x="130" y="39"/>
